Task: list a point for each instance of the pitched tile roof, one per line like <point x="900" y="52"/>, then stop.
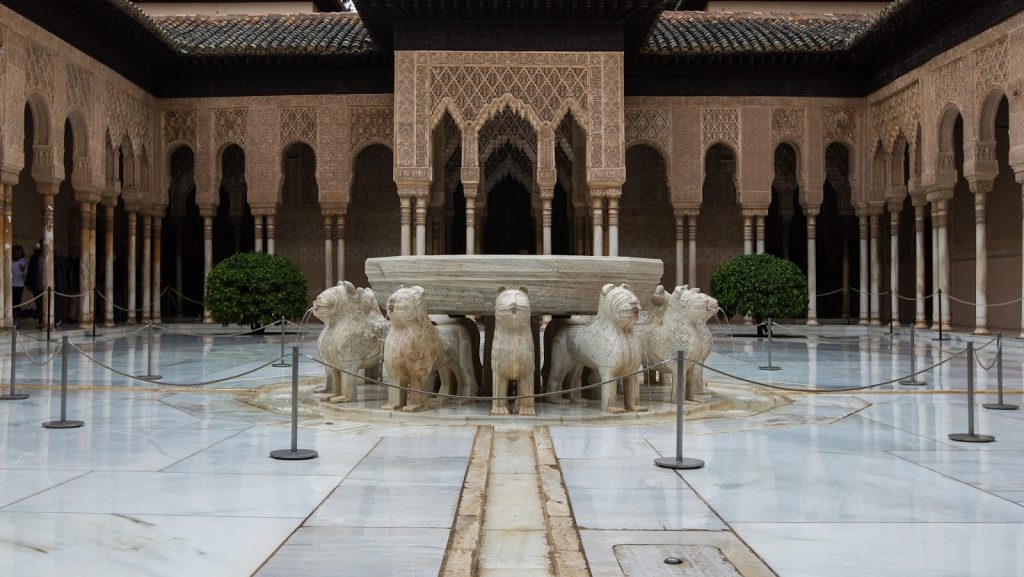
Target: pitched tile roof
<point x="271" y="35"/>
<point x="711" y="33"/>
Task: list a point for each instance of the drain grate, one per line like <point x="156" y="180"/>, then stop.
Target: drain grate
<point x="697" y="561"/>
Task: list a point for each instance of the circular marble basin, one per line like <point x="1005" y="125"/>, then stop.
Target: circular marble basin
<point x="468" y="284"/>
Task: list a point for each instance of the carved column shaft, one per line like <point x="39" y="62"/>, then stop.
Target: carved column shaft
<point x="84" y="311"/>
<point x="147" y="267"/>
<point x="6" y="292"/>
<point x="546" y="224"/>
<point x="207" y="256"/>
<point x="759" y="234"/>
<point x="747" y="235"/>
<point x="941" y="215"/>
<point x="132" y="271"/>
<point x="157" y="269"/>
<point x="47" y="193"/>
<point x="680" y="246"/>
<point x="328" y="250"/>
<point x="875" y="273"/>
<point x="340" y="253"/>
<point x="812" y="266"/>
<point x="470" y="191"/>
<point x="692" y="232"/>
<point x="406" y="206"/>
<point x="421" y="224"/>
<point x="862" y="230"/>
<point x="108" y="263"/>
<point x="919" y="265"/>
<point x="597" y="206"/>
<point x="613" y="223"/>
<point x="981" y="190"/>
<point x="269" y="227"/>
<point x="258" y="231"/>
<point x="894" y="263"/>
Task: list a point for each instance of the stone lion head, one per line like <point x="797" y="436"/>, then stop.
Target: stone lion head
<point x="691" y="305"/>
<point x="407" y="305"/>
<point x="619" y="305"/>
<point x="342" y="301"/>
<point x="512" y="306"/>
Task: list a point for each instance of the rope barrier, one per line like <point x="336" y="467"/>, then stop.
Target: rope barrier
<point x="139" y="309"/>
<point x="995" y="359"/>
<point x="29" y="301"/>
<point x="819" y="390"/>
<point x="248" y="332"/>
<point x="166" y="384"/>
<point x="1002" y="304"/>
<point x="21" y="344"/>
<point x="479" y="398"/>
<point x="830" y="293"/>
<point x="69" y="296"/>
<point x="175" y="291"/>
<point x="869" y="293"/>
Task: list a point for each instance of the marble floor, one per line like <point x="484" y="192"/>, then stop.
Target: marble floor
<point x="174" y="479"/>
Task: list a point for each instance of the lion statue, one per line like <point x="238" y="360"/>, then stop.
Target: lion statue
<point x="460" y="340"/>
<point x="412" y="349"/>
<point x="607" y="344"/>
<point x="351" y="339"/>
<point x="679" y="322"/>
<point x="512" y="356"/>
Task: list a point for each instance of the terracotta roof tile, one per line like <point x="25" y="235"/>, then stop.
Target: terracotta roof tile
<point x="709" y="33"/>
<point x="274" y="34"/>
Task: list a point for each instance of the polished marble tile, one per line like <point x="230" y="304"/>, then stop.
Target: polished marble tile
<point x="888" y="549"/>
<point x="651" y="509"/>
<point x="359" y="552"/>
<point x="618" y="474"/>
<point x="17" y="484"/>
<point x="225" y="495"/>
<point x="370" y="503"/>
<point x="598" y="448"/>
<point x="450" y="471"/>
<point x="53" y="544"/>
<point x="424" y="447"/>
<point x="800" y="487"/>
<point x="999" y="472"/>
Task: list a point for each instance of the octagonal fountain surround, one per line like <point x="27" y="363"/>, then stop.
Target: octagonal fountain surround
<point x="467" y="284"/>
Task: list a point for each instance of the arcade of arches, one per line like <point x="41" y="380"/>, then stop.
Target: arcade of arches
<point x="882" y="199"/>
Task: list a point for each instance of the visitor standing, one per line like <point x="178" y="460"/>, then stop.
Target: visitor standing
<point x="19" y="270"/>
<point x="34" y="279"/>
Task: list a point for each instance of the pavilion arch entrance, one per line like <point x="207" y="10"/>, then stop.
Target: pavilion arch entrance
<point x="233" y="223"/>
<point x="297" y="235"/>
<point x="721" y="221"/>
<point x="645" y="210"/>
<point x="373" y="228"/>
<point x="510" y="228"/>
<point x="785" y="225"/>
<point x="508" y="157"/>
<point x="838" y="251"/>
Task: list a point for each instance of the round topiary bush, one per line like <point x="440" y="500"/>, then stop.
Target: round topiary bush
<point x="255" y="289"/>
<point x="760" y="286"/>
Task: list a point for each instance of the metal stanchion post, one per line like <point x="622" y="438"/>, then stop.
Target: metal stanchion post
<point x="679" y="462"/>
<point x="941" y="337"/>
<point x="13" y="395"/>
<point x="912" y="380"/>
<point x="63" y="423"/>
<point x="149" y="376"/>
<point x="1000" y="405"/>
<point x="282" y="362"/>
<point x="970" y="436"/>
<point x="770" y="366"/>
<point x="294" y="453"/>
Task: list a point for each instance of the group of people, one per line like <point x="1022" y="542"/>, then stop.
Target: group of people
<point x="28" y="272"/>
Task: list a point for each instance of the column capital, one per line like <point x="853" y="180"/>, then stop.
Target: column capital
<point x="938" y="193"/>
<point x="263" y="208"/>
<point x="753" y="211"/>
<point x="811" y="209"/>
<point x="980" y="186"/>
<point x="10" y="175"/>
<point x="895" y="205"/>
<point x="48" y="186"/>
<point x="333" y="208"/>
<point x="413" y="188"/>
<point x="88" y="194"/>
<point x="207" y="209"/>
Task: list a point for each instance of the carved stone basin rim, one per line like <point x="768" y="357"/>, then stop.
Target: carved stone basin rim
<point x="468" y="284"/>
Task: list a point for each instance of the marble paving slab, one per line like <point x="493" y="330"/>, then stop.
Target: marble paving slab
<point x="369" y="503"/>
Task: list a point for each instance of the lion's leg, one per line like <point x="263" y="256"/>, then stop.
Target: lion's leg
<point x="446" y="376"/>
<point x="575" y="381"/>
<point x="499" y="405"/>
<point x="417" y="397"/>
<point x="341" y="386"/>
<point x="698" y="387"/>
<point x="608" y="402"/>
<point x="560" y="366"/>
<point x="467" y="384"/>
<point x="327" y="383"/>
<point x="631" y="394"/>
<point x="396" y="397"/>
<point x="526" y="406"/>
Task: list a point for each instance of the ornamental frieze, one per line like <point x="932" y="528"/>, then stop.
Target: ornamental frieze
<point x="370" y="124"/>
<point x="788" y="124"/>
<point x="180" y="126"/>
<point x="298" y="125"/>
<point x="649" y="126"/>
<point x="720" y="125"/>
<point x="897" y="113"/>
<point x="840" y="124"/>
<point x="230" y="125"/>
<point x="40" y="69"/>
<point x="79" y="88"/>
<point x="991" y="67"/>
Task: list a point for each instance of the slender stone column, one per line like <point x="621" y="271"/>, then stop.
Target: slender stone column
<point x="207" y="254"/>
<point x="421" y="224"/>
<point x="935" y="264"/>
<point x="545" y="218"/>
<point x="108" y="261"/>
<point x="84" y="266"/>
<point x="691" y="231"/>
<point x="158" y="220"/>
<point x="942" y="240"/>
<point x="919" y="263"/>
<point x="258" y="231"/>
<point x="812" y="265"/>
<point x="147" y="267"/>
<point x="328" y="250"/>
<point x="133" y="233"/>
<point x="1019" y="175"/>
<point x="597" y="205"/>
<point x="613" y="222"/>
<point x="894" y="261"/>
<point x="680" y="245"/>
<point x="748" y="234"/>
<point x="759" y="232"/>
<point x="8" y="243"/>
<point x="405" y="201"/>
<point x="875" y="273"/>
<point x="470" y="190"/>
<point x="980" y="190"/>
<point x="5" y="265"/>
<point x="269" y="226"/>
<point x="47" y="191"/>
<point x="862" y="230"/>
<point x="340" y="253"/>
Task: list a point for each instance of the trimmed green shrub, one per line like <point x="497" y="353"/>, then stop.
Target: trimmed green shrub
<point x="255" y="289"/>
<point x="760" y="286"/>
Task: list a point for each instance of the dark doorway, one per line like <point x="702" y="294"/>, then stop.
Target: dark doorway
<point x="510" y="227"/>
